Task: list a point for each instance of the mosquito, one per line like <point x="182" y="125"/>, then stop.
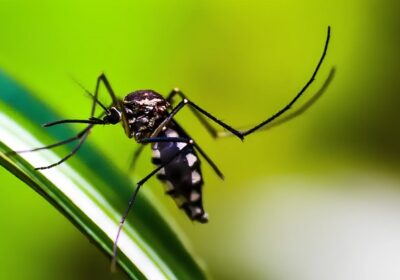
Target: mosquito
<point x="148" y="118"/>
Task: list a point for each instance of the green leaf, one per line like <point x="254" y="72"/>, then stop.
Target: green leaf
<point x="92" y="194"/>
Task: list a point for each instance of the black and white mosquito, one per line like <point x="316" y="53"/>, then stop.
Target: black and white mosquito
<point x="148" y="118"/>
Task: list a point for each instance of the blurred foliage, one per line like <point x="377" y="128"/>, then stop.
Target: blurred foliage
<point x="240" y="60"/>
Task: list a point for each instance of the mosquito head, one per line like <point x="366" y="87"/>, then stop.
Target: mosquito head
<point x="145" y="110"/>
<point x="113" y="116"/>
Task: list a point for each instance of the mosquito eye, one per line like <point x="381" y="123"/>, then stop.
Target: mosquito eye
<point x="113" y="117"/>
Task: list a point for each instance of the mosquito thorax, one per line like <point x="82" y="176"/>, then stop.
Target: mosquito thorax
<point x="145" y="110"/>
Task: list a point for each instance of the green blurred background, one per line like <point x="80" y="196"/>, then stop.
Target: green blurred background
<point x="317" y="198"/>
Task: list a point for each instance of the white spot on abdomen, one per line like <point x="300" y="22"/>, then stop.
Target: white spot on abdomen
<point x="171" y="133"/>
<point x="156" y="153"/>
<point x="181" y="145"/>
<point x="195" y="211"/>
<point x="195" y="177"/>
<point x="161" y="171"/>
<point x="194" y="196"/>
<point x="191" y="159"/>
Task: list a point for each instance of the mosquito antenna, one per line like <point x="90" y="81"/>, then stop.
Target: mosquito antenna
<point x="90" y="94"/>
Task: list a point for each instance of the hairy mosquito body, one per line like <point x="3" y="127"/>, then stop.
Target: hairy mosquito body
<point x="142" y="112"/>
<point x="148" y="118"/>
<point x="182" y="176"/>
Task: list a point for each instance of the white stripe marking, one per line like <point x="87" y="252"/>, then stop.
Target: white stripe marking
<point x="195" y="210"/>
<point x="191" y="159"/>
<point x="181" y="145"/>
<point x="171" y="133"/>
<point x="195" y="177"/>
<point x="194" y="196"/>
<point x="156" y="153"/>
<point x="161" y="171"/>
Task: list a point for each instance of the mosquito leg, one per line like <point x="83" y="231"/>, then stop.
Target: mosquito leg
<point x="189" y="141"/>
<point x="135" y="157"/>
<point x="309" y="103"/>
<point x="167" y="139"/>
<point x="287" y="107"/>
<point x="77" y="147"/>
<point x="213" y="132"/>
<point x="116" y="102"/>
<point x="168" y="119"/>
<point x="84" y="133"/>
<point x="298" y="111"/>
<point x="78" y="136"/>
<point x="103" y="79"/>
<point x="209" y="161"/>
<point x="92" y="121"/>
<point x="204" y="155"/>
<point x="242" y="134"/>
<point x="182" y="104"/>
<point x="131" y="202"/>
